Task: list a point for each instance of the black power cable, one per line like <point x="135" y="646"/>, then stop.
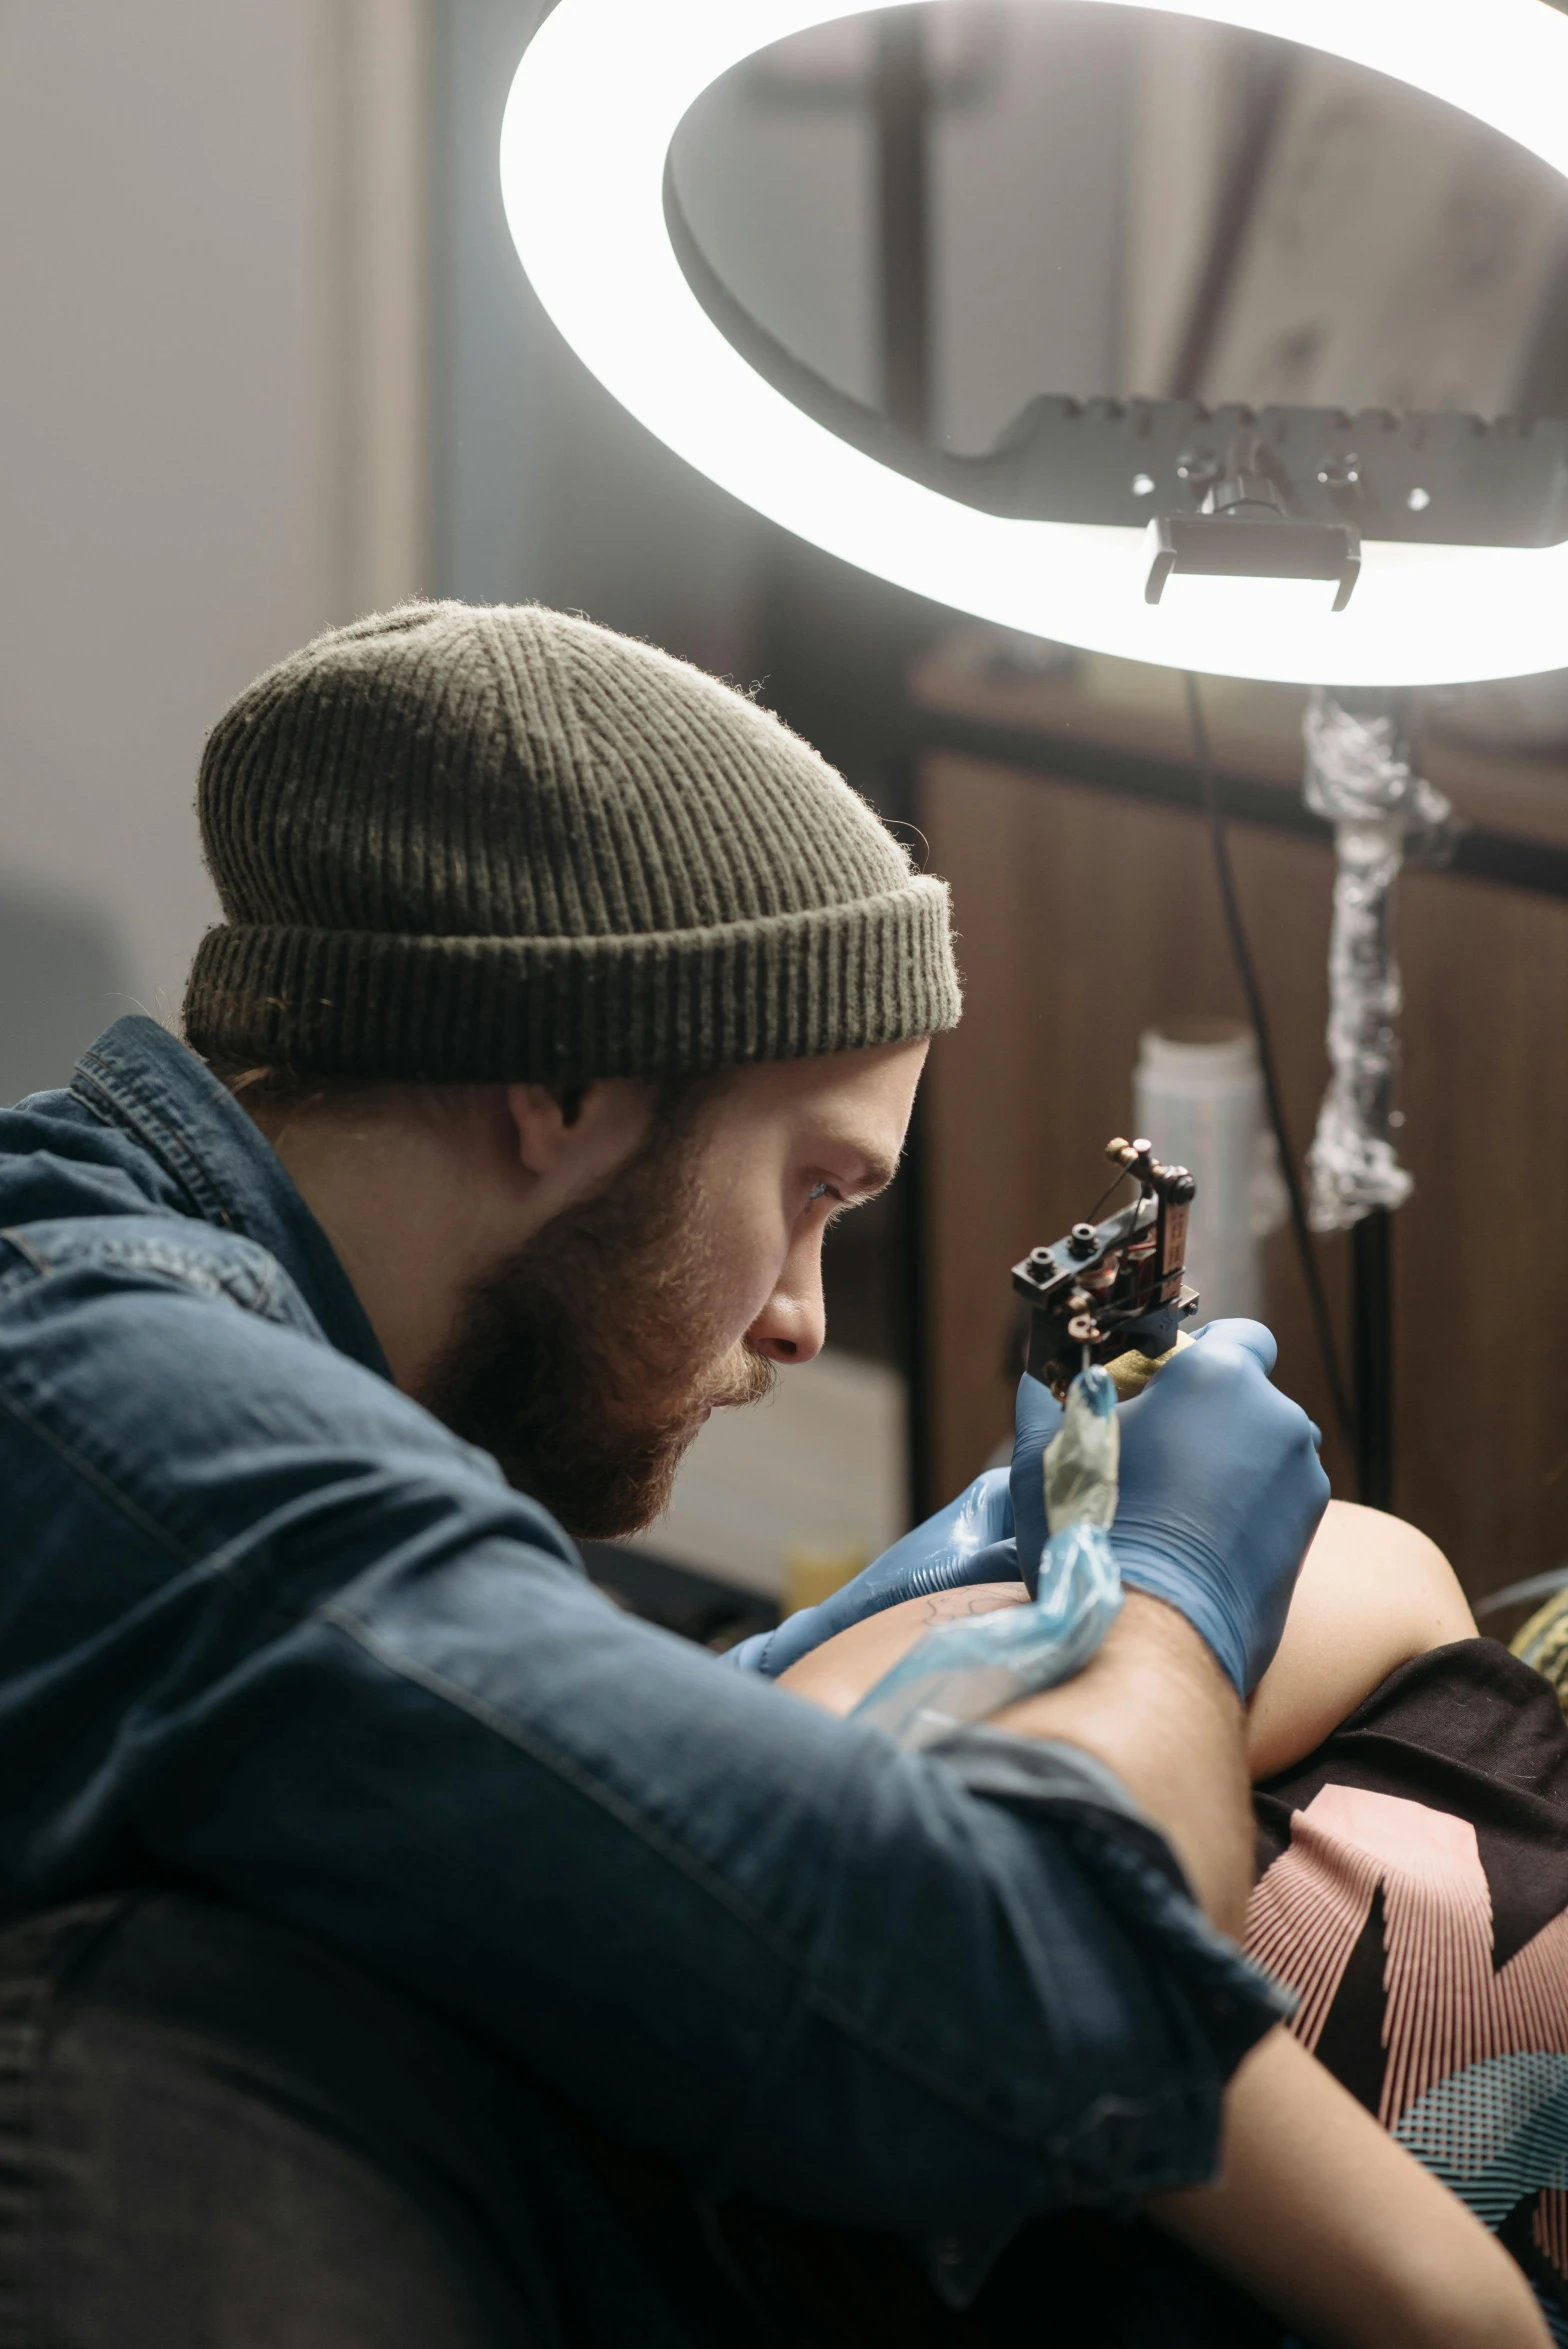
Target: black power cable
<point x="1241" y="954"/>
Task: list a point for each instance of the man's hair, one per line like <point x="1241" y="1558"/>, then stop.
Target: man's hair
<point x="261" y="1086"/>
<point x="272" y="1093"/>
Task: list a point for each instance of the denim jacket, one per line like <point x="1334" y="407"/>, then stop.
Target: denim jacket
<point x="265" y="1623"/>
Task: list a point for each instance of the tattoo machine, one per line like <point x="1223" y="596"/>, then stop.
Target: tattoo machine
<point x="1105" y="1307"/>
<point x="1113" y="1292"/>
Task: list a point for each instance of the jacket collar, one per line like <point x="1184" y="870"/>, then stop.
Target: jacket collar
<point x="140" y="1078"/>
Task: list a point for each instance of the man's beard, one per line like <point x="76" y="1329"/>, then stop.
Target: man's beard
<point x="587" y="1362"/>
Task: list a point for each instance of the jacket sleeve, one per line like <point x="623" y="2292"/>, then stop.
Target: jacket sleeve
<point x="268" y="1623"/>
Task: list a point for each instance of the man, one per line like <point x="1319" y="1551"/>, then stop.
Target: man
<point x="405" y="1945"/>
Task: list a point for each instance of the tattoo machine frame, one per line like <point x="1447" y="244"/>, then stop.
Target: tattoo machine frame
<point x="1113" y="1293"/>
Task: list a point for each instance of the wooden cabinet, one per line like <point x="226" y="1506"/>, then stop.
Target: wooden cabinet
<point x="1087" y="911"/>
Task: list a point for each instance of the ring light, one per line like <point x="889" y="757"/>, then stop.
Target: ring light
<point x="594" y="107"/>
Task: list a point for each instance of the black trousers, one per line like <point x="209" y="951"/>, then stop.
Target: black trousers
<point x="215" y="2134"/>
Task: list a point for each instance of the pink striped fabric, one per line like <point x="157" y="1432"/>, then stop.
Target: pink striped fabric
<point x="1445" y="2007"/>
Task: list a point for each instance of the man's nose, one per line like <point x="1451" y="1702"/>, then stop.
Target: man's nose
<point x="793" y="1324"/>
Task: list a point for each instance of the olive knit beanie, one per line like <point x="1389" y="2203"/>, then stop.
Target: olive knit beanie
<point x="500" y="844"/>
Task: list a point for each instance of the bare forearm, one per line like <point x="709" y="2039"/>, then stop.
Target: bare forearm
<point x="1336" y="2228"/>
<point x="1153" y="1706"/>
<point x="1156" y="1709"/>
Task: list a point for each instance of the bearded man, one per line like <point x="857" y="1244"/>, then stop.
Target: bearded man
<point x="401" y="1944"/>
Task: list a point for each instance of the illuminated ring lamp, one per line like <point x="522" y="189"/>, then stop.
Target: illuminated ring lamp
<point x="1301" y="545"/>
<point x="1463" y="528"/>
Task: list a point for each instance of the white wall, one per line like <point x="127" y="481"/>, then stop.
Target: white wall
<point x="189" y="469"/>
<point x="217" y="227"/>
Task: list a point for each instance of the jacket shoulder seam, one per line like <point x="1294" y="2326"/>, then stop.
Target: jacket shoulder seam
<point x="176" y="1256"/>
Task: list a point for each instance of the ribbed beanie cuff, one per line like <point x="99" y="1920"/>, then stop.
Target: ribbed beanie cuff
<point x="529" y="1010"/>
<point x="502" y="845"/>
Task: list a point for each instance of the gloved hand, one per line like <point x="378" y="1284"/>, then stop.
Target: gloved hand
<point x="1221" y="1491"/>
<point x="968" y="1541"/>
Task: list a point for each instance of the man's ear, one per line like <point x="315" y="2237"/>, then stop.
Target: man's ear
<point x="580" y="1132"/>
<point x="541" y="1124"/>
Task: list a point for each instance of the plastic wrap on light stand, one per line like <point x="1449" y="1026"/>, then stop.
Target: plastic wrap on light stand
<point x="965" y="1671"/>
<point x="1359" y="776"/>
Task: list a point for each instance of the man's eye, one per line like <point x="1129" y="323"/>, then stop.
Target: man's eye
<point x="821" y="1191"/>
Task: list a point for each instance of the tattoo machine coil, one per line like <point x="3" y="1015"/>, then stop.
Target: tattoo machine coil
<point x="1115" y="1292"/>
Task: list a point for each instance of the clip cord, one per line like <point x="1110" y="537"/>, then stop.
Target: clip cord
<point x="1241" y="955"/>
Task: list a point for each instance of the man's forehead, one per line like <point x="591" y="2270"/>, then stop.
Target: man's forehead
<point x="849" y="1107"/>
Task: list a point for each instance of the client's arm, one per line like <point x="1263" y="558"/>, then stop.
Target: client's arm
<point x="1153" y="1706"/>
<point x="1329" y="2222"/>
<point x="1221" y="1488"/>
<point x="1319" y="2213"/>
<point x="1156" y="1709"/>
<point x="1372" y="1593"/>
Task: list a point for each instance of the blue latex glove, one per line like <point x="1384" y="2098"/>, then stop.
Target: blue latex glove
<point x="1221" y="1491"/>
<point x="971" y="1540"/>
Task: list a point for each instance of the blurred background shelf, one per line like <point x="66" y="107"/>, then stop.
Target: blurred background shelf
<point x="1085" y="905"/>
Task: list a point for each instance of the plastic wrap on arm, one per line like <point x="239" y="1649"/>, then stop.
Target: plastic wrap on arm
<point x="965" y="1671"/>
